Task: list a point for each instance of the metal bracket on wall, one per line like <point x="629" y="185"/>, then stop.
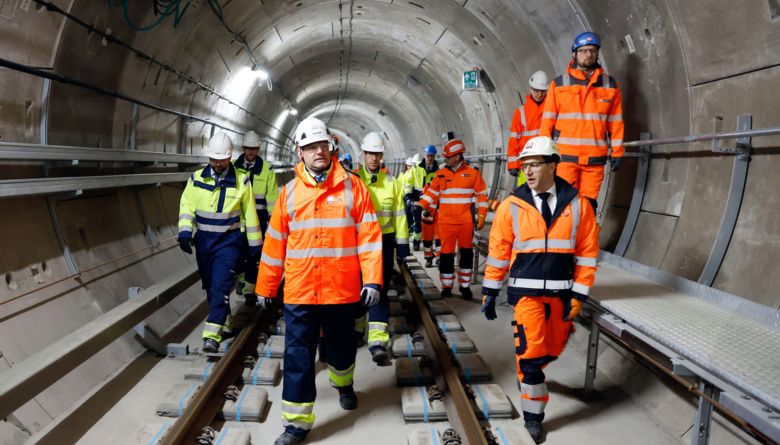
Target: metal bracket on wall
<point x="498" y="170"/>
<point x="734" y="202"/>
<point x="134" y="127"/>
<point x="636" y="199"/>
<point x="145" y="334"/>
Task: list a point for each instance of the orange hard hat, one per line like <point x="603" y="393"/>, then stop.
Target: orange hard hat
<point x="454" y="147"/>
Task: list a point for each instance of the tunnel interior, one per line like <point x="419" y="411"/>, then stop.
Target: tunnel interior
<point x="163" y="76"/>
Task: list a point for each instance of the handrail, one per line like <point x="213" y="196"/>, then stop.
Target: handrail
<point x="760" y="132"/>
<point x="14" y="188"/>
<point x="45" y="152"/>
<point x="27" y="379"/>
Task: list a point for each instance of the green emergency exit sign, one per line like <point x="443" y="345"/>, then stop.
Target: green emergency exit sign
<point x="471" y="79"/>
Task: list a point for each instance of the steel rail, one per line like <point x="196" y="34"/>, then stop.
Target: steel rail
<point x="206" y="403"/>
<point x="464" y="420"/>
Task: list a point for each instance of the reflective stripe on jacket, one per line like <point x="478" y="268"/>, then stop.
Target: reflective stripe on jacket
<point x="430" y="171"/>
<point x="541" y="261"/>
<point x="415" y="180"/>
<point x="387" y="196"/>
<point x="264" y="186"/>
<point x="322" y="237"/>
<point x="580" y="112"/>
<point x="525" y="124"/>
<point x="452" y="194"/>
<point x="218" y="210"/>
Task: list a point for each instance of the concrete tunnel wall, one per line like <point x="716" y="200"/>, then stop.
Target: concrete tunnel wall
<point x="679" y="64"/>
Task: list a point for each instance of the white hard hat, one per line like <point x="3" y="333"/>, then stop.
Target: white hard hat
<point x="373" y="143"/>
<point x="251" y="139"/>
<point x="417" y="158"/>
<point x="540" y="146"/>
<point x="539" y="81"/>
<point x="220" y="147"/>
<point x="409" y="161"/>
<point x="312" y="130"/>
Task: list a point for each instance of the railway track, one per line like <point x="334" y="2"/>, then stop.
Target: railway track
<point x="201" y="420"/>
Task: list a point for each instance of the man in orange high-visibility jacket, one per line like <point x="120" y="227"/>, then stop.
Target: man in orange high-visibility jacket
<point x="454" y="188"/>
<point x="582" y="107"/>
<point x="526" y="123"/>
<point x="323" y="236"/>
<point x="545" y="235"/>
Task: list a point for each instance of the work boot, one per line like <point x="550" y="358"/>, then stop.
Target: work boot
<point x="446" y="292"/>
<point x="289" y="439"/>
<point x="416" y="245"/>
<point x="378" y="354"/>
<point x="534" y="428"/>
<point x="465" y="292"/>
<point x="429" y="262"/>
<point x="347" y="398"/>
<point x="210" y="345"/>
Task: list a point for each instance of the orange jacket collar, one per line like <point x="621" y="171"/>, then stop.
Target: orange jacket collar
<point x="577" y="74"/>
<point x="336" y="175"/>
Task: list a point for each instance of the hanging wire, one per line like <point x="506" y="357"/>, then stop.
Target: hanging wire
<point x="161" y="8"/>
<point x="144" y="56"/>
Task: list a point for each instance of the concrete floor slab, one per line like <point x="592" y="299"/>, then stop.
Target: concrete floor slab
<point x="611" y="418"/>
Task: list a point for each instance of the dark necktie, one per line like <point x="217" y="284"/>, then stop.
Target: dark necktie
<point x="546" y="213"/>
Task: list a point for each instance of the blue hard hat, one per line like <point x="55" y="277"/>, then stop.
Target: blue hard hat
<point x="347" y="158"/>
<point x="585" y="38"/>
<point x="430" y="150"/>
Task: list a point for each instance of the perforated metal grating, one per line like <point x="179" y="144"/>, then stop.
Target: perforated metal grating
<point x="739" y="350"/>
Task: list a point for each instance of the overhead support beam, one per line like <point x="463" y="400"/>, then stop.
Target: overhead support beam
<point x="15" y="188"/>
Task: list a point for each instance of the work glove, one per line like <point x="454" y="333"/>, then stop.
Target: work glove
<point x="401" y="252"/>
<point x="255" y="251"/>
<point x="571" y="309"/>
<point x="370" y="295"/>
<point x="480" y="222"/>
<point x="263" y="302"/>
<point x="614" y="164"/>
<point x="489" y="306"/>
<point x="185" y="244"/>
<point x="426" y="215"/>
<point x="514" y="172"/>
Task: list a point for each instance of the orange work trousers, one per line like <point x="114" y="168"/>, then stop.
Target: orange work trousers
<point x="541" y="334"/>
<point x="585" y="178"/>
<point x="460" y="235"/>
<point x="430" y="231"/>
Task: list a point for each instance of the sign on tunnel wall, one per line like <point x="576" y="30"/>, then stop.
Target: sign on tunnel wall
<point x="471" y="79"/>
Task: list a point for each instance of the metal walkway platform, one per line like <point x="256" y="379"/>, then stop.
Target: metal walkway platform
<point x="733" y="347"/>
<point x="734" y="351"/>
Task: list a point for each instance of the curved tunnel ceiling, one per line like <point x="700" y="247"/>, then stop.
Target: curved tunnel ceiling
<point x="410" y="71"/>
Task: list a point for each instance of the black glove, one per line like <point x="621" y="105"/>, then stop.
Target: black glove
<point x="614" y="164"/>
<point x="514" y="172"/>
<point x="489" y="306"/>
<point x="185" y="244"/>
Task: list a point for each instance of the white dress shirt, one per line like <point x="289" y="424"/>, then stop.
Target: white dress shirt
<point x="552" y="200"/>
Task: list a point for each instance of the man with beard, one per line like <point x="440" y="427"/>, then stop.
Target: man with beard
<point x="583" y="106"/>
